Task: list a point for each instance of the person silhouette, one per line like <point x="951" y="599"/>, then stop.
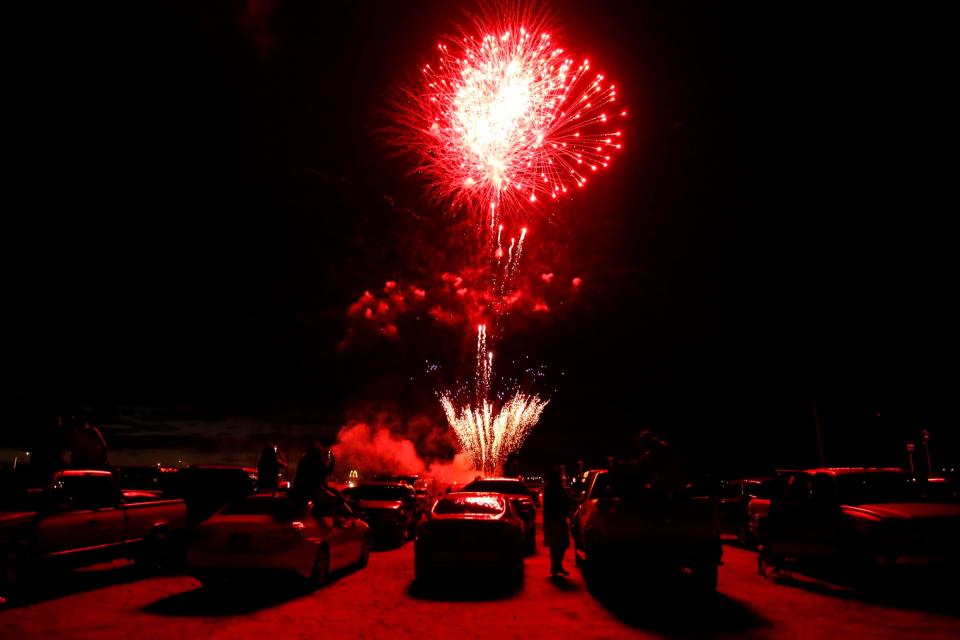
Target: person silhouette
<point x="270" y="465"/>
<point x="88" y="449"/>
<point x="556" y="530"/>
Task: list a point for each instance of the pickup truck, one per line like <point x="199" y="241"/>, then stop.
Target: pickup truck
<point x="871" y="522"/>
<point x="621" y="525"/>
<point x="83" y="518"/>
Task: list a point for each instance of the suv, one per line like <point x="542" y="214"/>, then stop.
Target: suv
<point x="869" y="520"/>
<point x="520" y="498"/>
<point x="621" y="523"/>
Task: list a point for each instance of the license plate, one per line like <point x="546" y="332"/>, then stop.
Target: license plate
<point x="466" y="557"/>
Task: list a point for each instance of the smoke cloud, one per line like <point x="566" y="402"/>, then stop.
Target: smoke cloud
<point x="386" y="444"/>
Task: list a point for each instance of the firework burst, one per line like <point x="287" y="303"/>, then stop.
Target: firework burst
<point x="504" y="119"/>
<point x="502" y="122"/>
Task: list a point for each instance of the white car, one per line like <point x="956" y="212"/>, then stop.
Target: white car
<point x="269" y="535"/>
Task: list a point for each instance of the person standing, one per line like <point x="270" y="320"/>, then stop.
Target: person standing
<point x="88" y="449"/>
<point x="556" y="530"/>
<point x="269" y="467"/>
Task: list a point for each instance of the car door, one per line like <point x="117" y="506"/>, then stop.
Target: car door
<point x="83" y="517"/>
<point x="785" y="535"/>
<point x="823" y="519"/>
<point x="731" y="503"/>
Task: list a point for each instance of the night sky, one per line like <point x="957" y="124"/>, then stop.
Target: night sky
<point x="200" y="192"/>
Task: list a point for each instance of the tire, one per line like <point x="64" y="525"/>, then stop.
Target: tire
<point x="744" y="537"/>
<point x="155" y="554"/>
<point x="321" y="569"/>
<point x="214" y="582"/>
<point x="364" y="558"/>
<point x="422" y="573"/>
<point x="530" y="544"/>
<point x="705" y="579"/>
<point x="516" y="574"/>
<point x="11" y="572"/>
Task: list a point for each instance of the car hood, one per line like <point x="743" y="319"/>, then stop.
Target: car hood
<point x="379" y="504"/>
<point x="906" y="510"/>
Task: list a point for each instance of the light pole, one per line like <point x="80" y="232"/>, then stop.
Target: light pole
<point x="910" y="448"/>
<point x="925" y="438"/>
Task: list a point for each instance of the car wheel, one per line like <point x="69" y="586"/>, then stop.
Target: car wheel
<point x="321" y="569"/>
<point x="214" y="582"/>
<point x="705" y="579"/>
<point x="516" y="573"/>
<point x="422" y="573"/>
<point x="12" y="576"/>
<point x="743" y="536"/>
<point x="155" y="553"/>
<point x="364" y="558"/>
<point x="531" y="542"/>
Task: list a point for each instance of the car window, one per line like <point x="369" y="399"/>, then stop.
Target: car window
<point x="798" y="489"/>
<point x="878" y="487"/>
<point x="470" y="505"/>
<point x="731" y="490"/>
<point x="86" y="492"/>
<point x="764" y="489"/>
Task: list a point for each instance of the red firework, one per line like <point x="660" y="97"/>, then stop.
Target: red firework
<point x="504" y="120"/>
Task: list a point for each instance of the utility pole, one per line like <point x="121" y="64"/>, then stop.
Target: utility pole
<point x="925" y="439"/>
<point x="816" y="421"/>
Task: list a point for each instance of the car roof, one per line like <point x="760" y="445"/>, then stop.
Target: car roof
<point x="229" y="467"/>
<point x="495" y="480"/>
<point x="384" y="483"/>
<point x="843" y="471"/>
<point x="79" y="473"/>
<point x="760" y="479"/>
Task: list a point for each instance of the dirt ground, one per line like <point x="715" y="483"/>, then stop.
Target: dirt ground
<point x="113" y="601"/>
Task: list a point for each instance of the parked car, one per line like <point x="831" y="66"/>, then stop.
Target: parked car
<point x="622" y="524"/>
<point x="207" y="488"/>
<point x="82" y="518"/>
<point x="477" y="532"/>
<point x="865" y="519"/>
<point x="269" y="535"/>
<point x="578" y="490"/>
<point x="535" y="485"/>
<point x="520" y="499"/>
<point x="390" y="508"/>
<point x="744" y="503"/>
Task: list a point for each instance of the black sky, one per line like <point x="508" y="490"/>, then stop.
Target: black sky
<point x="198" y="196"/>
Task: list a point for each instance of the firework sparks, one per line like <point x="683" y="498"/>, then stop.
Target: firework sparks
<point x="487" y="430"/>
<point x="505" y="119"/>
<point x="502" y="122"/>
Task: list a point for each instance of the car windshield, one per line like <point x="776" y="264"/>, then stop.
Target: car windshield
<point x="509" y="487"/>
<point x="469" y="505"/>
<point x="379" y="492"/>
<point x="871" y="488"/>
<point x="759" y="489"/>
